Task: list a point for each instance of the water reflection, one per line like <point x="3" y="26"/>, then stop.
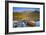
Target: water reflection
<point x="37" y="23"/>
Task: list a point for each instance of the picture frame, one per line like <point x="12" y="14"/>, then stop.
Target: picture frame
<point x="12" y="4"/>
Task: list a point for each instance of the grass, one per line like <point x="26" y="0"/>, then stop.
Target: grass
<point x="24" y="16"/>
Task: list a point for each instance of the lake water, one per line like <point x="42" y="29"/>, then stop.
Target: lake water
<point x="24" y="24"/>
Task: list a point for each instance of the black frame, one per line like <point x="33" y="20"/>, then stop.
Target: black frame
<point x="7" y="17"/>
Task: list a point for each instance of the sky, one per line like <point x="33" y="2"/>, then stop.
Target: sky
<point x="20" y="9"/>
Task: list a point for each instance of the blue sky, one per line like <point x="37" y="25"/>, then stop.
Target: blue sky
<point x="18" y="9"/>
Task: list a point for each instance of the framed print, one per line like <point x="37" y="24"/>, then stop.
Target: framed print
<point x="24" y="17"/>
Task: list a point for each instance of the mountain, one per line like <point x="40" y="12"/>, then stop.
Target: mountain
<point x="24" y="12"/>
